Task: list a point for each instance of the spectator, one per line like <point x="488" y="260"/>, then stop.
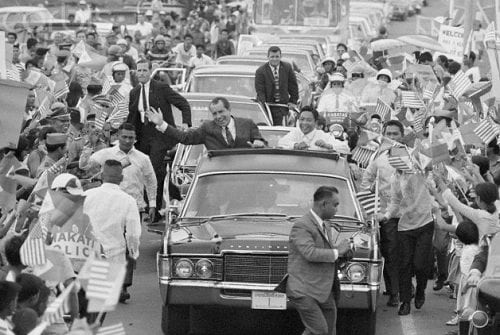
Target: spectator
<point x="9" y="292"/>
<point x="185" y="51"/>
<point x="14" y="267"/>
<point x="224" y="46"/>
<point x="200" y="58"/>
<point x="83" y="14"/>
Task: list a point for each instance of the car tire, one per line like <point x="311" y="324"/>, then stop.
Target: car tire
<point x="175" y="320"/>
<point x="357" y="322"/>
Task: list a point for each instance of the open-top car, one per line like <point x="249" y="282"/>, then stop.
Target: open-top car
<point x="227" y="249"/>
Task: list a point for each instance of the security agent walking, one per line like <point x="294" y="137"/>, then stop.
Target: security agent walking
<point x="313" y="286"/>
<point x="275" y="82"/>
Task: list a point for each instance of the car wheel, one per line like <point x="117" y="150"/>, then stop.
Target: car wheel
<point x="175" y="320"/>
<point x="357" y="322"/>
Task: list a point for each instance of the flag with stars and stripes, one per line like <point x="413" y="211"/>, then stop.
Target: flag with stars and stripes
<point x="383" y="109"/>
<point x="491" y="33"/>
<point x="486" y="131"/>
<point x="418" y="122"/>
<point x="106" y="85"/>
<point x="363" y="155"/>
<point x="348" y="64"/>
<point x="44" y="108"/>
<point x="401" y="163"/>
<point x="429" y="89"/>
<point x="117" y="329"/>
<point x="459" y="84"/>
<point x="394" y="84"/>
<point x="116" y="97"/>
<point x="411" y="100"/>
<point x="33" y="249"/>
<point x="61" y="88"/>
<point x="367" y="200"/>
<point x="119" y="113"/>
<point x="57" y="308"/>
<point x="58" y="167"/>
<point x="99" y="286"/>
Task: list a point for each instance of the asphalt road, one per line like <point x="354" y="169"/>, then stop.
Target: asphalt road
<point x="142" y="314"/>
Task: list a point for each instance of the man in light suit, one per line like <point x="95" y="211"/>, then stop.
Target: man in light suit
<point x="313" y="286"/>
<point x="223" y="132"/>
<point x="275" y="82"/>
<point x="153" y="94"/>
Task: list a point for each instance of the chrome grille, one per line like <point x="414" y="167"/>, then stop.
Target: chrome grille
<point x="262" y="269"/>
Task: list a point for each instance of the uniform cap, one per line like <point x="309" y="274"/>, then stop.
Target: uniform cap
<point x="337" y="77"/>
<point x="56" y="138"/>
<point x="385" y="72"/>
<point x="68" y="181"/>
<point x="114" y="50"/>
<point x="328" y="59"/>
<point x="121" y="41"/>
<point x="159" y="38"/>
<point x="120" y="67"/>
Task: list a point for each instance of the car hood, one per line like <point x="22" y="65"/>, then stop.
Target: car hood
<point x="255" y="234"/>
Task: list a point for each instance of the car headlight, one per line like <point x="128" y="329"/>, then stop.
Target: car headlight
<point x="355" y="272"/>
<point x="184" y="268"/>
<point x="204" y="268"/>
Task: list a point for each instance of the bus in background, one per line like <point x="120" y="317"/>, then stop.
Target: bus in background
<point x="326" y="18"/>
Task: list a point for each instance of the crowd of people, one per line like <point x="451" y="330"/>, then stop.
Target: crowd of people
<point x="91" y="158"/>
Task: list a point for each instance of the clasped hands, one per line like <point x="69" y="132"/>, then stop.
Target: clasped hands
<point x="318" y="143"/>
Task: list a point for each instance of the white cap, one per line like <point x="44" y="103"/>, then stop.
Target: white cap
<point x="385" y="72"/>
<point x="149" y="12"/>
<point x="68" y="181"/>
<point x="346" y="56"/>
<point x="122" y="41"/>
<point x="328" y="59"/>
<point x="337" y="77"/>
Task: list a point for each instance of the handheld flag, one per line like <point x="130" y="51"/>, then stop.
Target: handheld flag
<point x="486" y="131"/>
<point x="61" y="88"/>
<point x="363" y="155"/>
<point x="33" y="249"/>
<point x="367" y="201"/>
<point x="411" y="100"/>
<point x="383" y="109"/>
<point x="55" y="311"/>
<point x="429" y="90"/>
<point x="459" y="84"/>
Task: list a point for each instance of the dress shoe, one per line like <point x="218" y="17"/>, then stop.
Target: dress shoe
<point x="393" y="301"/>
<point x="404" y="309"/>
<point x="438" y="285"/>
<point x="419" y="301"/>
<point x="124" y="296"/>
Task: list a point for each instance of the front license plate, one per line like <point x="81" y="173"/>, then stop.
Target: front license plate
<point x="268" y="300"/>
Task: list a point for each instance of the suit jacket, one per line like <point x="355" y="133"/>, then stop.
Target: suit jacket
<point x="264" y="84"/>
<point x="210" y="134"/>
<point x="161" y="96"/>
<point x="311" y="263"/>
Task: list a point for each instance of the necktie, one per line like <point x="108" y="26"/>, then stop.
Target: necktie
<point x="229" y="138"/>
<point x="326" y="232"/>
<point x="276" y="84"/>
<point x="144" y="102"/>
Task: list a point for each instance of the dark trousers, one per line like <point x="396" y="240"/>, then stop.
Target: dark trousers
<point x="390" y="251"/>
<point x="318" y="318"/>
<point x="129" y="273"/>
<point x="441" y="243"/>
<point x="278" y="113"/>
<point x="414" y="246"/>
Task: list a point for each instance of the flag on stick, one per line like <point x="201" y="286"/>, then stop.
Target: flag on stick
<point x="61" y="88"/>
<point x="55" y="311"/>
<point x="418" y="122"/>
<point x="367" y="201"/>
<point x="112" y="330"/>
<point x="99" y="287"/>
<point x="459" y="84"/>
<point x="33" y="249"/>
<point x="383" y="109"/>
<point x="486" y="131"/>
<point x="411" y="100"/>
<point x="429" y="90"/>
<point x="363" y="155"/>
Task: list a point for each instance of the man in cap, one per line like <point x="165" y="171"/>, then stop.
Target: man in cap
<point x="83" y="14"/>
<point x="160" y="53"/>
<point x="328" y="69"/>
<point x="56" y="149"/>
<point x="276" y="83"/>
<point x="335" y="102"/>
<point x="127" y="49"/>
<point x="62" y="60"/>
<point x="115" y="220"/>
<point x="59" y="117"/>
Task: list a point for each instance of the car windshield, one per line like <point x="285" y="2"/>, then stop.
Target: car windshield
<point x="200" y="112"/>
<point x="272" y="136"/>
<point x="264" y="193"/>
<point x="221" y="84"/>
<point x="244" y="62"/>
<point x="322" y="13"/>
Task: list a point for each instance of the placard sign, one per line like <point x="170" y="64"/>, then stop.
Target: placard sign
<point x="452" y="40"/>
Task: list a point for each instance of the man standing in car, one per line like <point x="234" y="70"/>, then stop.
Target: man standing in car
<point x="313" y="286"/>
<point x="276" y="83"/>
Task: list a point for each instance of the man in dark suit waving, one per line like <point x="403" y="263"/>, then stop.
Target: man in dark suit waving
<point x="153" y="94"/>
<point x="313" y="286"/>
<point x="275" y="82"/>
<point x="223" y="132"/>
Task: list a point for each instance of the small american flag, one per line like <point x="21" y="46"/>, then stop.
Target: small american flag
<point x="394" y="85"/>
<point x="99" y="286"/>
<point x="418" y="122"/>
<point x="55" y="311"/>
<point x="459" y="84"/>
<point x="411" y="100"/>
<point x="44" y="107"/>
<point x="106" y="85"/>
<point x="117" y="329"/>
<point x="491" y="34"/>
<point x="383" y="109"/>
<point x="61" y="89"/>
<point x="59" y="166"/>
<point x="120" y="112"/>
<point x="116" y="97"/>
<point x="33" y="249"/>
<point x="101" y="120"/>
<point x="348" y="64"/>
<point x="367" y="201"/>
<point x="486" y="131"/>
<point x="401" y="163"/>
<point x="362" y="155"/>
<point x="429" y="90"/>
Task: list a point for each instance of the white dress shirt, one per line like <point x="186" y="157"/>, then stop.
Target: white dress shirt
<point x="232" y="130"/>
<point x="146" y="28"/>
<point x="321" y="226"/>
<point x="198" y="61"/>
<point x="115" y="220"/>
<point x="141" y="100"/>
<point x="297" y="136"/>
<point x="138" y="172"/>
